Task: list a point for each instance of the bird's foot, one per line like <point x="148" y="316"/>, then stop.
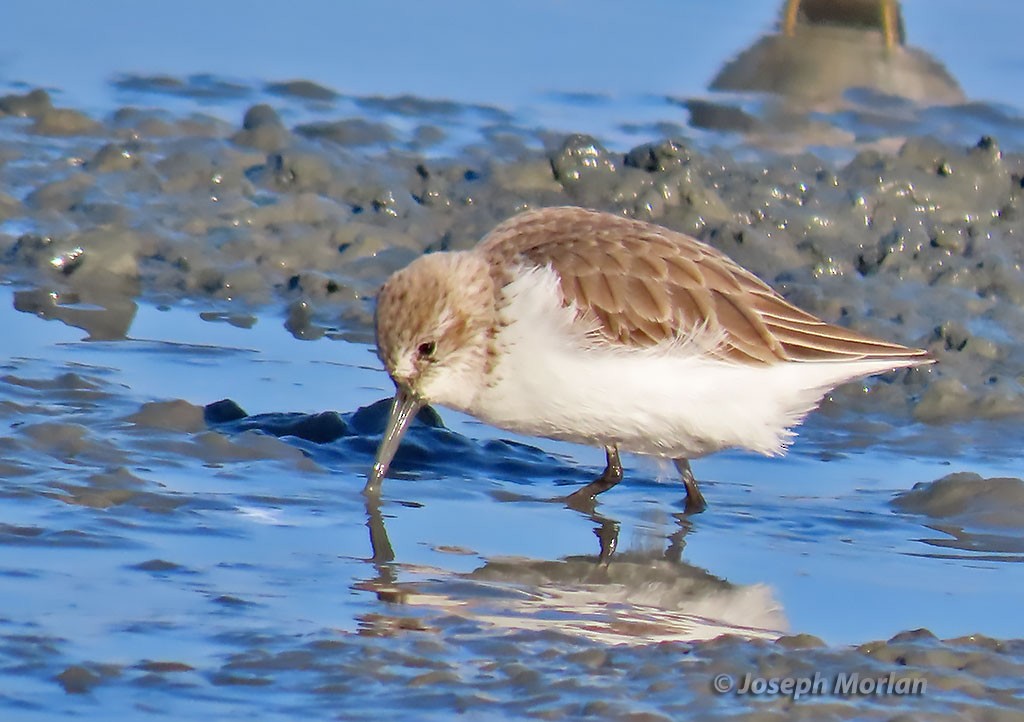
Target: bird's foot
<point x="611" y="476"/>
<point x="695" y="502"/>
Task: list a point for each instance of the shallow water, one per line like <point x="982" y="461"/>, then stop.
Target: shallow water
<point x="170" y="566"/>
<point x="192" y="399"/>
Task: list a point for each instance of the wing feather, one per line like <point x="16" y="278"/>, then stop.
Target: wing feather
<point x="645" y="285"/>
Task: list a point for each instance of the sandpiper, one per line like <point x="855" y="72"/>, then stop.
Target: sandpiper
<point x="589" y="327"/>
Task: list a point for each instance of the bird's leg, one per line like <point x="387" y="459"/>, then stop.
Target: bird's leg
<point x="607" y="532"/>
<point x="694" y="499"/>
<point x="611" y="476"/>
<point x="789" y="17"/>
<point x="677" y="539"/>
<point x="890" y="24"/>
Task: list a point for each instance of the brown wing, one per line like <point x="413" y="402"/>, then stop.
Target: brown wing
<point x="645" y="284"/>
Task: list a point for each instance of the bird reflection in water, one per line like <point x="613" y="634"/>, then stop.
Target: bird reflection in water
<point x="643" y="595"/>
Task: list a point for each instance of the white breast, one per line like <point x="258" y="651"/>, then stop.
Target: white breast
<point x="671" y="400"/>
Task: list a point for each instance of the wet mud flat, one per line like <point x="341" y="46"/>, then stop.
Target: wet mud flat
<point x="181" y="530"/>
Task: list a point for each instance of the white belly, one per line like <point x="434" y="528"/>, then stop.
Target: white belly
<point x="669" y="401"/>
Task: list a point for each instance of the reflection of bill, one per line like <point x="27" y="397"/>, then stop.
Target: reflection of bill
<point x="640" y="596"/>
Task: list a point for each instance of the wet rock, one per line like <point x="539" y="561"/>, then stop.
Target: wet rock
<point x="137" y="123"/>
<point x="106" y="497"/>
<point x="262" y="129"/>
<point x="439" y="187"/>
<point x="528" y="176"/>
<point x="320" y="287"/>
<point x="302" y="89"/>
<point x="426" y="136"/>
<point x="436" y="677"/>
<point x="913" y="635"/>
<point x="299" y="322"/>
<point x="982" y="642"/>
<point x="357" y="240"/>
<point x="117" y="477"/>
<point x="306" y="211"/>
<point x="158" y="566"/>
<point x="968" y="499"/>
<point x="382" y="200"/>
<point x="223" y="411"/>
<point x="61" y="196"/>
<point x="412" y="105"/>
<point x="176" y="415"/>
<point x="200" y="85"/>
<point x="238" y="320"/>
<point x="77" y="679"/>
<point x="60" y="439"/>
<point x="61" y="382"/>
<point x="149" y="83"/>
<point x="71" y="442"/>
<point x="719" y="116"/>
<point x="234" y="680"/>
<point x="28" y="105"/>
<point x="590" y="658"/>
<point x="113" y="252"/>
<point x="63" y="121"/>
<point x="209" y="166"/>
<point x="660" y="157"/>
<point x="294" y="171"/>
<point x="104" y="316"/>
<point x="9" y="207"/>
<point x="372" y="419"/>
<point x="348" y="132"/>
<point x="114" y="157"/>
<point x="245" y="282"/>
<point x="585" y="169"/>
<point x="953" y="337"/>
<point x="163" y="667"/>
<point x="684" y="193"/>
<point x="945" y="400"/>
<point x="213" y="447"/>
<point x="259" y="116"/>
<point x="800" y="641"/>
<point x="322" y="428"/>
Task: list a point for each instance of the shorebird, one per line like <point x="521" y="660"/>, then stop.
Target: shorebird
<point x="883" y="15"/>
<point x="588" y="327"/>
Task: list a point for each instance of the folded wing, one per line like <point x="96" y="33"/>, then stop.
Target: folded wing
<point x="642" y="285"/>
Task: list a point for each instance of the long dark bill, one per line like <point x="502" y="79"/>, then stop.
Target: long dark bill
<point x="403" y="410"/>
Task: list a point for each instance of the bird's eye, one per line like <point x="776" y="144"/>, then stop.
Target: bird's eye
<point x="426" y="349"/>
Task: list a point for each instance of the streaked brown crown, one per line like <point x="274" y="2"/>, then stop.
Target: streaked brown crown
<point x="443" y="301"/>
<point x="645" y="284"/>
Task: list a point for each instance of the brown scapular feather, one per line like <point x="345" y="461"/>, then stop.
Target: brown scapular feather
<point x="644" y="285"/>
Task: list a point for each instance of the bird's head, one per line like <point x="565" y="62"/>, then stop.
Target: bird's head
<point x="435" y="324"/>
